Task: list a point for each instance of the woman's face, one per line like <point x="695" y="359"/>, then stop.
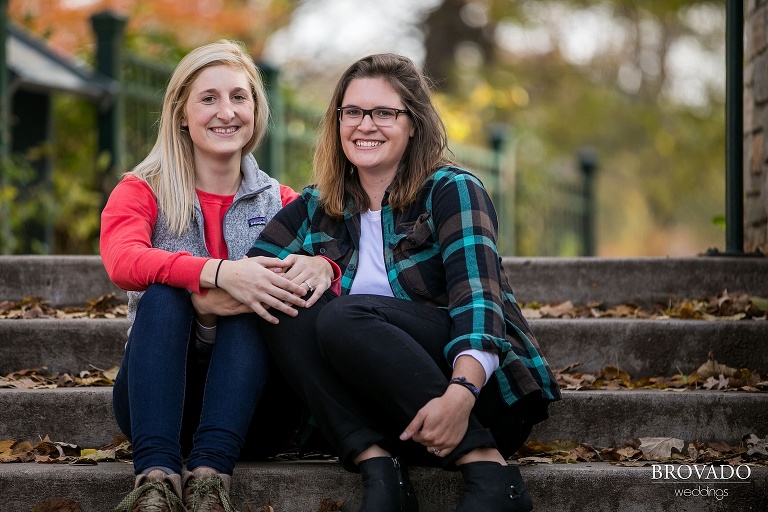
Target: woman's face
<point x="372" y="148"/>
<point x="219" y="113"/>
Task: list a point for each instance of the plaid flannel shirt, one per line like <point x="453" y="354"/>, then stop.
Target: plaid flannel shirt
<point x="440" y="251"/>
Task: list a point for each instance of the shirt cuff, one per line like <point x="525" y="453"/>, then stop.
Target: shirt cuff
<point x="489" y="360"/>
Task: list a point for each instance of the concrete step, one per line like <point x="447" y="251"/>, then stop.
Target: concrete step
<point x="75" y="279"/>
<point x="639" y="280"/>
<point x="63" y="280"/>
<point x="652" y="348"/>
<point x="83" y="416"/>
<point x="643" y="348"/>
<point x="300" y="486"/>
<point x="61" y="345"/>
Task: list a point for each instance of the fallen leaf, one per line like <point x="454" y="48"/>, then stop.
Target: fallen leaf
<point x="756" y="445"/>
<point x="721" y="382"/>
<point x="535" y="460"/>
<point x="57" y="505"/>
<point x="713" y="369"/>
<point x="561" y="310"/>
<point x="660" y="446"/>
<point x="330" y="505"/>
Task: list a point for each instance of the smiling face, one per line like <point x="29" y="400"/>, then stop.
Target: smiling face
<point x="219" y="113"/>
<point x="371" y="148"/>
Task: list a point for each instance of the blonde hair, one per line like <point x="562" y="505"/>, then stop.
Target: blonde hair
<point x="334" y="174"/>
<point x="169" y="167"/>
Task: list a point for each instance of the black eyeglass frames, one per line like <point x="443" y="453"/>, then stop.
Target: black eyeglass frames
<point x="382" y="116"/>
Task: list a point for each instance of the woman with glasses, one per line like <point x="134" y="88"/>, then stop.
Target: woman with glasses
<point x="425" y="357"/>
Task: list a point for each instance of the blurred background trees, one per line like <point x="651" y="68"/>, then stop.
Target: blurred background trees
<point x="640" y="83"/>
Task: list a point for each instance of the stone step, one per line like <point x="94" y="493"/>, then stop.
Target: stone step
<point x="66" y="280"/>
<point x="643" y="348"/>
<point x="83" y="416"/>
<point x="63" y="280"/>
<point x="300" y="486"/>
<point x="639" y="280"/>
<point x="67" y="345"/>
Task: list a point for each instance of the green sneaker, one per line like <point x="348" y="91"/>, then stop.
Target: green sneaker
<point x="155" y="491"/>
<point x="205" y="490"/>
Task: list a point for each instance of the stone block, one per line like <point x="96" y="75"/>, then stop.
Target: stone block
<point x="748" y="107"/>
<point x="754" y="210"/>
<point x="756" y="35"/>
<point x="761" y="78"/>
<point x="756" y="160"/>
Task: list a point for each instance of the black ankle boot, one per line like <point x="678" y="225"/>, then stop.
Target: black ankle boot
<point x="387" y="487"/>
<point x="491" y="487"/>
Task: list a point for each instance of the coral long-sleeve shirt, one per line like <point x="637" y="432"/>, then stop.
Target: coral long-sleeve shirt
<point x="127" y="223"/>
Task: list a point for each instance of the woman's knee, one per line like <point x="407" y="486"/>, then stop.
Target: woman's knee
<point x="163" y="300"/>
<point x="338" y="314"/>
<point x="336" y="333"/>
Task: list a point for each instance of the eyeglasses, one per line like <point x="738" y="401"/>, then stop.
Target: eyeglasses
<point x="353" y="116"/>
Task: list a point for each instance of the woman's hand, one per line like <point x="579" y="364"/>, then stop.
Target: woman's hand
<point x="313" y="273"/>
<point x="217" y="302"/>
<point x="256" y="282"/>
<point x="442" y="423"/>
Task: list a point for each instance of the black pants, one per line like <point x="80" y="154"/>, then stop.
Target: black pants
<point x="366" y="364"/>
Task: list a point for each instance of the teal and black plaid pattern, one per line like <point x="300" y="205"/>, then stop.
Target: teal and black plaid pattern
<point x="440" y="251"/>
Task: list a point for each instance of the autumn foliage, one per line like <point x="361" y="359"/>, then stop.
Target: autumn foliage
<point x="69" y="29"/>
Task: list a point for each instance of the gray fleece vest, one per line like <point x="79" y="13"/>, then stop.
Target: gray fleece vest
<point x="255" y="203"/>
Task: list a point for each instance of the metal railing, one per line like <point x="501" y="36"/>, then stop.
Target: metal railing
<point x="540" y="213"/>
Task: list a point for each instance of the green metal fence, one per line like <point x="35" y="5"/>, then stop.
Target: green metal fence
<point x="143" y="83"/>
<point x="540" y="213"/>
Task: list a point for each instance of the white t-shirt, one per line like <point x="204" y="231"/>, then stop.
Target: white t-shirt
<point x="371" y="278"/>
<point x="371" y="275"/>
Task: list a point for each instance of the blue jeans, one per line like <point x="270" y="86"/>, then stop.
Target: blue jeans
<point x="170" y="402"/>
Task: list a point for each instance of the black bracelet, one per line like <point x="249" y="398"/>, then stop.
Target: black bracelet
<point x="216" y="279"/>
<point x="462" y="381"/>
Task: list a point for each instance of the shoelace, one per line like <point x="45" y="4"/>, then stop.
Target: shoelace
<point x="168" y="499"/>
<point x="206" y="489"/>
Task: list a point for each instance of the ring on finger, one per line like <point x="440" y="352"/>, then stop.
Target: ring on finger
<point x="309" y="286"/>
<point x="436" y="451"/>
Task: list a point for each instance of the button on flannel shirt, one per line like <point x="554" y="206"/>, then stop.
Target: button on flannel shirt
<point x="440" y="251"/>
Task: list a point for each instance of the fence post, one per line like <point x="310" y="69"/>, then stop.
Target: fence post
<point x="498" y="138"/>
<point x="734" y="130"/>
<point x="270" y="151"/>
<point x="588" y="166"/>
<point x="5" y="132"/>
<point x="109" y="29"/>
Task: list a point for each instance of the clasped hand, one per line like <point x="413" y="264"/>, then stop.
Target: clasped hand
<point x="261" y="283"/>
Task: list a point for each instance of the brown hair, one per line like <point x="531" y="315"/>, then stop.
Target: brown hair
<point x="334" y="174"/>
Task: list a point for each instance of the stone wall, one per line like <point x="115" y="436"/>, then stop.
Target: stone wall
<point x="756" y="126"/>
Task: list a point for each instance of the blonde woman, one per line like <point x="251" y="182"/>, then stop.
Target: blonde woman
<point x="174" y="233"/>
